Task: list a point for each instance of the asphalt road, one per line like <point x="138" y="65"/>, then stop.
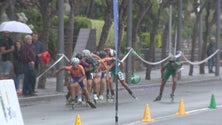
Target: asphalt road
<point x="196" y="99"/>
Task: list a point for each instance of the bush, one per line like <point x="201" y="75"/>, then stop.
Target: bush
<point x="145" y="37"/>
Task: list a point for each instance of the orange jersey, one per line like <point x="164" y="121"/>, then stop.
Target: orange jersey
<point x="104" y="62"/>
<point x="79" y="71"/>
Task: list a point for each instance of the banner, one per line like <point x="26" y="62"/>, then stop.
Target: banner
<point x="10" y="113"/>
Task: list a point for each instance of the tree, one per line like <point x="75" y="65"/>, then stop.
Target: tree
<point x="108" y="23"/>
<point x="208" y="27"/>
<point x="154" y="14"/>
<point x="48" y="10"/>
<point x="89" y="9"/>
<point x="8" y="6"/>
<point x="11" y="11"/>
<point x="122" y="19"/>
<point x="194" y="35"/>
<point x="3" y="5"/>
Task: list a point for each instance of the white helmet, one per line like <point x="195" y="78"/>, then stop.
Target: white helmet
<point x="172" y="58"/>
<point x="86" y="52"/>
<point x="112" y="52"/>
<point x="74" y="61"/>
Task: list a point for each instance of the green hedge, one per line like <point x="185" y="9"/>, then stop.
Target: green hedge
<point x="145" y="37"/>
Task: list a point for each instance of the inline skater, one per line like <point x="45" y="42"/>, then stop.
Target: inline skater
<point x="78" y="75"/>
<point x="170" y="68"/>
<point x="112" y="70"/>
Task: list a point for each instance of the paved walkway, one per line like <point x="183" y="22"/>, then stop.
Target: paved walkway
<point x="50" y="91"/>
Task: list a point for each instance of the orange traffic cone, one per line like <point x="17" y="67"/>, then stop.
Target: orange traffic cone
<point x="181" y="109"/>
<point x="147" y="116"/>
<point x="78" y="121"/>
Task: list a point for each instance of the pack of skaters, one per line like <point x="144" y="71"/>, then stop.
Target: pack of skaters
<point x="90" y="64"/>
<point x="103" y="73"/>
<point x="170" y="68"/>
<point x="77" y="79"/>
<point x="111" y="61"/>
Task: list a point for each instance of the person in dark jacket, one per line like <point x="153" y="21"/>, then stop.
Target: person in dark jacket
<point x="211" y="48"/>
<point x="7" y="48"/>
<point x="38" y="48"/>
<point x="29" y="57"/>
<point x="18" y="66"/>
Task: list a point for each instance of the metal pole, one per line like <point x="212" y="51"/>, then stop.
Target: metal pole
<point x="60" y="77"/>
<point x="179" y="30"/>
<point x="200" y="33"/>
<point x="170" y="29"/>
<point x="116" y="31"/>
<point x="179" y="25"/>
<point x="129" y="43"/>
<point x="217" y="70"/>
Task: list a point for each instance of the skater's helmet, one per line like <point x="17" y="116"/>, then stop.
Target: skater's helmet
<point x="74" y="61"/>
<point x="86" y="52"/>
<point x="79" y="56"/>
<point x="102" y="54"/>
<point x="112" y="53"/>
<point x="172" y="59"/>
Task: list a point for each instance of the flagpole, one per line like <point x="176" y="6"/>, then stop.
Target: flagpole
<point x="116" y="31"/>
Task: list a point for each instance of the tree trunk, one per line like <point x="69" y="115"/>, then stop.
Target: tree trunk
<point x="151" y="55"/>
<point x="154" y="27"/>
<point x="3" y="6"/>
<point x="47" y="12"/>
<point x="107" y="25"/>
<point x="122" y="17"/>
<point x="193" y="46"/>
<point x="206" y="34"/>
<point x="143" y="8"/>
<point x="89" y="10"/>
<point x="69" y="41"/>
<point x="11" y="12"/>
<point x="164" y="41"/>
<point x="45" y="38"/>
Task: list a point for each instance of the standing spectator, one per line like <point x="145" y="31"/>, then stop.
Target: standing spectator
<point x="211" y="48"/>
<point x="7" y="48"/>
<point x="38" y="49"/>
<point x="18" y="66"/>
<point x="28" y="56"/>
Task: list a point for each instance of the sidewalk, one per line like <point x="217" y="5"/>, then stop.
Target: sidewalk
<point x="50" y="92"/>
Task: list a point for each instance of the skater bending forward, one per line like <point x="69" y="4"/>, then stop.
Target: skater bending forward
<point x="170" y="68"/>
<point x="78" y="75"/>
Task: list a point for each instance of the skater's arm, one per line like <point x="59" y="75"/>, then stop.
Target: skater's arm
<point x="82" y="71"/>
<point x="59" y="70"/>
<point x="95" y="56"/>
<point x="180" y="64"/>
<point x="82" y="78"/>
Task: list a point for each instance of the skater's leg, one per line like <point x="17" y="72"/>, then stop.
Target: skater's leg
<point x="73" y="87"/>
<point x="158" y="98"/>
<point x="125" y="85"/>
<point x="174" y="85"/>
